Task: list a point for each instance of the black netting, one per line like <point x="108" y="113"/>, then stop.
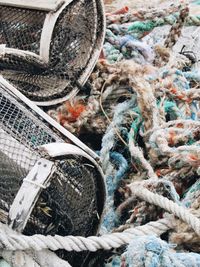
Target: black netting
<point x="69" y="204"/>
<point x="76" y="38"/>
<point x="11" y="177"/>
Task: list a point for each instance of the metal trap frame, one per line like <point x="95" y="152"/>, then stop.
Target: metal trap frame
<point x="48" y="48"/>
<point x="51" y="183"/>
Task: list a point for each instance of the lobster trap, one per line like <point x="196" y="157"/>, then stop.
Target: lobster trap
<point x="51" y="183"/>
<point x="48" y="48"/>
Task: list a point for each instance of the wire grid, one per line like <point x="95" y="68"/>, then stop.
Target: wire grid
<point x="11" y="177"/>
<point x="75" y="39"/>
<point x="20" y="134"/>
<point x="21" y="28"/>
<point x="20" y="125"/>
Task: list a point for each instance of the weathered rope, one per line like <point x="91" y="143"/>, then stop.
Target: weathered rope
<point x="153" y="17"/>
<point x="168" y="205"/>
<point x="151" y="251"/>
<point x="113" y="129"/>
<point x="175" y="31"/>
<point x="191" y="20"/>
<point x="160" y="141"/>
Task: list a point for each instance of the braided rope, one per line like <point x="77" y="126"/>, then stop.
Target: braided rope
<point x="175" y="31"/>
<point x="15" y="241"/>
<point x="191" y="20"/>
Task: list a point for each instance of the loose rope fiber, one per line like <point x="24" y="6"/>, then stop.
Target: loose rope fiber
<point x="141" y="105"/>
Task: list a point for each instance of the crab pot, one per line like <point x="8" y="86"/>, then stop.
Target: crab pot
<point x="49" y="48"/>
<point x="50" y="182"/>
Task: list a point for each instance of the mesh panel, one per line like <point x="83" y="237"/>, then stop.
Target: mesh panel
<point x="73" y="37"/>
<point x="21" y="28"/>
<point x="77" y="36"/>
<point x="21" y="124"/>
<point x="73" y="202"/>
<point x="11" y="177"/>
<point x="20" y="134"/>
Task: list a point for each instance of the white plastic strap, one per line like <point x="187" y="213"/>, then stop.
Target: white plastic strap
<point x="24" y="202"/>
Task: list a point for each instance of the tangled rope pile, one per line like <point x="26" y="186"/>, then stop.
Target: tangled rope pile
<point x="142" y="104"/>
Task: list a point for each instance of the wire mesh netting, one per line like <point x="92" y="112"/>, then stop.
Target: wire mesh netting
<point x="21" y="28"/>
<point x="76" y="39"/>
<point x="73" y="202"/>
<point x="21" y="132"/>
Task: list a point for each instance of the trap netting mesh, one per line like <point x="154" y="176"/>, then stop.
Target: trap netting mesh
<point x="46" y="60"/>
<point x="72" y="204"/>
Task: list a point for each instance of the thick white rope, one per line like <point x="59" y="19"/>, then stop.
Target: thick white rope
<point x="78" y="243"/>
<point x="170" y="206"/>
<point x="13" y="241"/>
<point x="30" y="258"/>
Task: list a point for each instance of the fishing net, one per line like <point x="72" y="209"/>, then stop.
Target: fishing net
<point x="73" y="201"/>
<point x="48" y="54"/>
